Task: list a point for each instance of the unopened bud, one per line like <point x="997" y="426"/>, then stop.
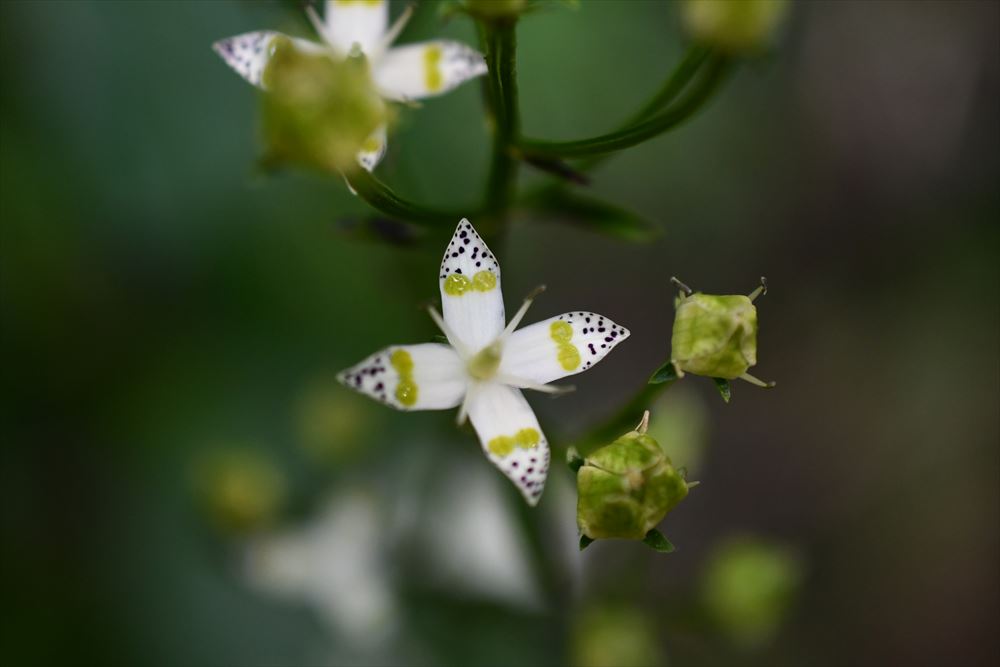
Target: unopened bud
<point x="318" y="111"/>
<point x="734" y="26"/>
<point x="715" y="335"/>
<point x="626" y="488"/>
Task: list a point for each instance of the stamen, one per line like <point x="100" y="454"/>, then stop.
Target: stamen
<point x="519" y="315"/>
<point x="448" y="333"/>
<point x="521" y="383"/>
<point x="681" y="286"/>
<point x="390" y="36"/>
<point x="317" y="24"/>
<point x="644" y="424"/>
<point x="760" y="383"/>
<point x="463" y="410"/>
<point x="760" y="290"/>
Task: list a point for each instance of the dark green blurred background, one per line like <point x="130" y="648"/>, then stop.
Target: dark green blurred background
<point x="172" y="320"/>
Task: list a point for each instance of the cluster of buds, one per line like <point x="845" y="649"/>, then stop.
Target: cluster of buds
<point x="626" y="488"/>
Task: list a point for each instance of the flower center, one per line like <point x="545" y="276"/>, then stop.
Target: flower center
<point x="484" y="364"/>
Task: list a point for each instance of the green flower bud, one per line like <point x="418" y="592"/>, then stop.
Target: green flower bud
<point x="613" y="636"/>
<point x="627" y="487"/>
<point x="318" y="111"/>
<point x="748" y="587"/>
<point x="716" y="335"/>
<point x="241" y="491"/>
<point x="735" y="26"/>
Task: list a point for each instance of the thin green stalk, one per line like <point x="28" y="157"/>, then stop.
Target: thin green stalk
<point x="500" y="44"/>
<point x="381" y="197"/>
<point x="675" y="83"/>
<point x="718" y="68"/>
<point x="621" y="421"/>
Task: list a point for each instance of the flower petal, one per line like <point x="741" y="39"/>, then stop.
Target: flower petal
<point x="410" y="377"/>
<point x="510" y="435"/>
<point x="423" y="70"/>
<point x="350" y="22"/>
<point x="248" y="53"/>
<point x="560" y="346"/>
<point x="373" y="150"/>
<point x="471" y="298"/>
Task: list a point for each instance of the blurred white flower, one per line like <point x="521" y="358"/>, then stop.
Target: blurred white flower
<point x="486" y="364"/>
<point x="333" y="563"/>
<point x="361" y="27"/>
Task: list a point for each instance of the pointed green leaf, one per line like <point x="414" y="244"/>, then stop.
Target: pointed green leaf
<point x="564" y="205"/>
<point x="585" y="542"/>
<point x="665" y="373"/>
<point x="724" y="389"/>
<point x="656" y="540"/>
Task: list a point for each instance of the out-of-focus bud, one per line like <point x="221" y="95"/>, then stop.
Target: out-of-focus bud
<point x="318" y="111"/>
<point x="496" y="9"/>
<point x="626" y="488"/>
<point x="748" y="587"/>
<point x="716" y="335"/>
<point x="734" y="26"/>
<point x="331" y="423"/>
<point x="241" y="491"/>
<point x="611" y="636"/>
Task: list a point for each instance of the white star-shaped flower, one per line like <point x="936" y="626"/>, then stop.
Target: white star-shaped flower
<point x="486" y="364"/>
<point x="406" y="73"/>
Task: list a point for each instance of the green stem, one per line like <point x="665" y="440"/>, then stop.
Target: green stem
<point x="500" y="43"/>
<point x="623" y="421"/>
<point x="679" y="78"/>
<point x="381" y="197"/>
<point x="718" y="68"/>
<point x="676" y="81"/>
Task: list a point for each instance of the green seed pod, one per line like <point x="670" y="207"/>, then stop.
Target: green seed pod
<point x="716" y="335"/>
<point x="317" y="110"/>
<point x="626" y="488"/>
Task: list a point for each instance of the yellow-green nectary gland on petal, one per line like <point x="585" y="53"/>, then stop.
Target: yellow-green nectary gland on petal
<point x="457" y="284"/>
<point x="433" y="78"/>
<point x="406" y="388"/>
<point x="626" y="488"/>
<point x="567" y="354"/>
<point x="715" y="336"/>
<point x="503" y="445"/>
<point x="316" y="110"/>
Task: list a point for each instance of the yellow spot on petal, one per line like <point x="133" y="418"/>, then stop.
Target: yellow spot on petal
<point x="371" y="145"/>
<point x="402" y="362"/>
<point x="503" y="445"/>
<point x="527" y="438"/>
<point x="484" y="281"/>
<point x="456" y="285"/>
<point x="406" y="392"/>
<point x="406" y="389"/>
<point x="567" y="354"/>
<point x="560" y="331"/>
<point x="432" y="69"/>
